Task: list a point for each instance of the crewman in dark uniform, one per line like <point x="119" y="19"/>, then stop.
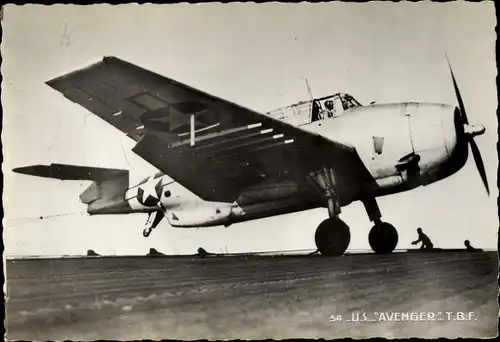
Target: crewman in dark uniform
<point x="328" y="112"/>
<point x="202" y="252"/>
<point x="469" y="248"/>
<point x="426" y="242"/>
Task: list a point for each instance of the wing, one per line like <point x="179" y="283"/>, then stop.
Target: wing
<point x="234" y="147"/>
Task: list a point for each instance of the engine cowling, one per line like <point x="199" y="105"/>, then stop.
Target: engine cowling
<point x="437" y="137"/>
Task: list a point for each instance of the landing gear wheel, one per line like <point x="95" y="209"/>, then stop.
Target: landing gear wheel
<point x="383" y="238"/>
<point x="332" y="237"/>
<point x="146" y="232"/>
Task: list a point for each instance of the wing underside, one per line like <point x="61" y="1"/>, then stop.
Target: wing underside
<point x="234" y="147"/>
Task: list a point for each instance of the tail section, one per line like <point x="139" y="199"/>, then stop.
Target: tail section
<point x="104" y="196"/>
<point x="71" y="172"/>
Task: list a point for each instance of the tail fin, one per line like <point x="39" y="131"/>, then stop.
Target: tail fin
<point x="103" y="196"/>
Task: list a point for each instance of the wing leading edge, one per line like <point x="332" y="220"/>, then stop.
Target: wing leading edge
<point x="235" y="147"/>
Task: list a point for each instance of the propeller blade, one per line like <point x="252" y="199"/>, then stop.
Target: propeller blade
<point x="479" y="163"/>
<point x="457" y="93"/>
<point x="475" y="150"/>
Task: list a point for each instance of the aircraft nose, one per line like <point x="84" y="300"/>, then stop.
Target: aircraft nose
<point x="438" y="138"/>
<point x="434" y="130"/>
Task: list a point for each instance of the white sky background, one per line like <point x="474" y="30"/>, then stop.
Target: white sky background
<point x="257" y="56"/>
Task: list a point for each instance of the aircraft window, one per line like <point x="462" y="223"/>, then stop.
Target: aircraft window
<point x="328" y="111"/>
<point x="349" y="103"/>
<point x="339" y="106"/>
<point x="332" y="106"/>
<point x="316" y="109"/>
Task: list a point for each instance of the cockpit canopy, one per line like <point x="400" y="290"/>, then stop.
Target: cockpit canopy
<point x="332" y="106"/>
<point x="317" y="109"/>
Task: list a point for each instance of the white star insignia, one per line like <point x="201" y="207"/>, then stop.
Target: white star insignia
<point x="149" y="188"/>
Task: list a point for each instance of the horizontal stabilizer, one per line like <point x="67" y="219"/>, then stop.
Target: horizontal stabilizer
<point x="71" y="172"/>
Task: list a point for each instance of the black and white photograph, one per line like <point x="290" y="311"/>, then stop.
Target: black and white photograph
<point x="250" y="171"/>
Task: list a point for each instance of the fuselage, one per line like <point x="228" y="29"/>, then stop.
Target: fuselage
<point x="402" y="145"/>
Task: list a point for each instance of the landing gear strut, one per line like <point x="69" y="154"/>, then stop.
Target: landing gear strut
<point x="153" y="219"/>
<point x="332" y="235"/>
<point x="383" y="237"/>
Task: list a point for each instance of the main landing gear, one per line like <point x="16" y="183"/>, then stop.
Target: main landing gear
<point x="153" y="220"/>
<point x="383" y="237"/>
<point x="333" y="236"/>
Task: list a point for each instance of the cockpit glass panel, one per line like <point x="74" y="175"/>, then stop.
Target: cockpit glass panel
<point x="296" y="114"/>
<point x="335" y="105"/>
<point x="305" y="112"/>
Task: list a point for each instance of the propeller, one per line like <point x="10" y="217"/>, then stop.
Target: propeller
<point x="470" y="131"/>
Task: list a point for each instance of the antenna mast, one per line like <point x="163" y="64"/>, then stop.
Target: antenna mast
<point x="312" y="99"/>
<point x="309" y="89"/>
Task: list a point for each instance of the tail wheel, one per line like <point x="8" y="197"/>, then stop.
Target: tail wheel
<point x="146" y="232"/>
<point x="383" y="238"/>
<point x="332" y="237"/>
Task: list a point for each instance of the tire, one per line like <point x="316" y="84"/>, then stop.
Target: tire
<point x="383" y="238"/>
<point x="332" y="237"/>
<point x="146" y="232"/>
